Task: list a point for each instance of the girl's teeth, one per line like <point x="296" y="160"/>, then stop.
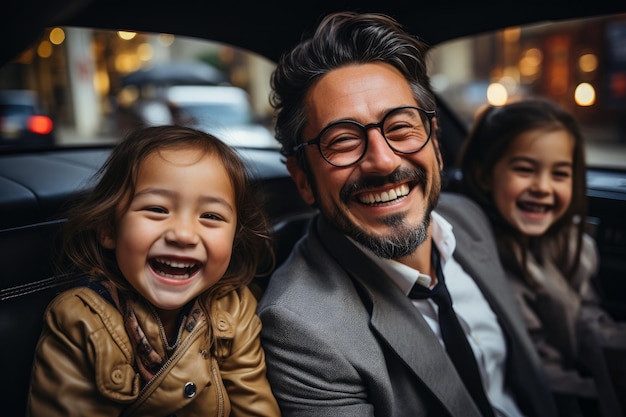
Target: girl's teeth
<point x="537" y="208"/>
<point x="183" y="276"/>
<point x="175" y="264"/>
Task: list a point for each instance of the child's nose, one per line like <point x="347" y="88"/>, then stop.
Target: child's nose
<point x="182" y="232"/>
<point x="541" y="182"/>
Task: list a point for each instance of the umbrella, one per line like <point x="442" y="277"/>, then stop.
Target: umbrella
<point x="176" y="73"/>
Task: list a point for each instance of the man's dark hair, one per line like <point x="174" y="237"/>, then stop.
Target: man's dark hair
<point x="342" y="39"/>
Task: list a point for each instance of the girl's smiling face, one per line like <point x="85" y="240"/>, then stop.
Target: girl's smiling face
<point x="531" y="184"/>
<point x="175" y="239"/>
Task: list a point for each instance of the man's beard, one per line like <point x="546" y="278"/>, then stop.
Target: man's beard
<point x="405" y="238"/>
<point x="402" y="242"/>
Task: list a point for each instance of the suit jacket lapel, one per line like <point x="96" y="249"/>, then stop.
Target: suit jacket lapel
<point x="399" y="323"/>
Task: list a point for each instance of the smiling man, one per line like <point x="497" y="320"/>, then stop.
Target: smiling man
<point x="351" y="321"/>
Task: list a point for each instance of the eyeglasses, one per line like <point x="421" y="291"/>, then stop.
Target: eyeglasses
<point x="406" y="130"/>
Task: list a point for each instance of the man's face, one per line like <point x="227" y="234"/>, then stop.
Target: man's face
<point x="384" y="200"/>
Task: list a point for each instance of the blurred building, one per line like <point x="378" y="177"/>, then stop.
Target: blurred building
<point x="580" y="64"/>
<point x="77" y="72"/>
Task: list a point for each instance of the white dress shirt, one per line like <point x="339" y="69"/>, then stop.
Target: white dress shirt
<point x="478" y="320"/>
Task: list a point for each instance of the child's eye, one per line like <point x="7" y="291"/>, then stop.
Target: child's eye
<point x="562" y="174"/>
<point x="155" y="209"/>
<point x="523" y="169"/>
<point x="212" y="216"/>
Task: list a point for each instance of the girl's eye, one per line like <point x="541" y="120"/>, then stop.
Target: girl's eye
<point x="156" y="209"/>
<point x="212" y="216"/>
<point x="562" y="174"/>
<point x="523" y="169"/>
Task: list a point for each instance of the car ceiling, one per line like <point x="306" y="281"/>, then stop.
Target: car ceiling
<point x="269" y="28"/>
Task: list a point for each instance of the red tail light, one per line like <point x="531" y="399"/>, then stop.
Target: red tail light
<point x="41" y="125"/>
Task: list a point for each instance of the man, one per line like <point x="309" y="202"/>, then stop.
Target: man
<point x="342" y="337"/>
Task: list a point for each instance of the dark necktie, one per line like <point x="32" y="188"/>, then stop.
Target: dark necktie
<point x="457" y="346"/>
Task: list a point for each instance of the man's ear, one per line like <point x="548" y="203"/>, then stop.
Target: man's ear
<point x="106" y="237"/>
<point x="300" y="178"/>
<point x="435" y="139"/>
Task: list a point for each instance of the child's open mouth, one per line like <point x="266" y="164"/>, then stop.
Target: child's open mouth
<point x="174" y="269"/>
<point x="534" y="208"/>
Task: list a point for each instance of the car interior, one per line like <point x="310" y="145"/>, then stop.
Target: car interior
<point x="37" y="185"/>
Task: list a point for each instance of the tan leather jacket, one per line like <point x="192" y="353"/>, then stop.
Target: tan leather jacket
<point x="83" y="364"/>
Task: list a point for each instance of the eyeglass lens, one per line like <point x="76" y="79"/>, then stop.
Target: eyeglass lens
<point x="406" y="130"/>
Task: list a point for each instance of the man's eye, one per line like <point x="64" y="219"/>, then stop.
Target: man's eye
<point x="401" y="126"/>
<point x="344" y="141"/>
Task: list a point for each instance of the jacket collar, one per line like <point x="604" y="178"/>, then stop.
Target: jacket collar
<point x="393" y="317"/>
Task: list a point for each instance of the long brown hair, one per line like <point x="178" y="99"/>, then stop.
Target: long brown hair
<point x="494" y="130"/>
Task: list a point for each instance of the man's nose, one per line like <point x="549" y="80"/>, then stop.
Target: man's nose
<point x="379" y="156"/>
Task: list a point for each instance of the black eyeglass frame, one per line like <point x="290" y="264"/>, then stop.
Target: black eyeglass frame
<point x="430" y="114"/>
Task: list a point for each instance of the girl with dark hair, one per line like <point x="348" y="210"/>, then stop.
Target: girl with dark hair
<point x="524" y="164"/>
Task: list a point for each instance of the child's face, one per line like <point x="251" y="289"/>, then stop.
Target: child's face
<point x="175" y="241"/>
<point x="532" y="182"/>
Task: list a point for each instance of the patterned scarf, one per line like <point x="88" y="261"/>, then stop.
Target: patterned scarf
<point x="147" y="361"/>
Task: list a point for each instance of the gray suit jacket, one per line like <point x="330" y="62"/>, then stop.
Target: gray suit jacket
<point x="341" y="340"/>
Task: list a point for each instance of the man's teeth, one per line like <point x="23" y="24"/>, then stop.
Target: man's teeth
<point x="385" y="196"/>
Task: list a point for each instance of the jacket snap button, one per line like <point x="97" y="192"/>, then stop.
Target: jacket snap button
<point x="117" y="376"/>
<point x="222" y="324"/>
<point x="190" y="390"/>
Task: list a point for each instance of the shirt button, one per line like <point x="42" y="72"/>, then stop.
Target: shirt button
<point x="190" y="390"/>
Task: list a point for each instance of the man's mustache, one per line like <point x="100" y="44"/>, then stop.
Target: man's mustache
<point x="416" y="175"/>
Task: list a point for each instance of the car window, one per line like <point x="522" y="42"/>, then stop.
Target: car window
<point x="97" y="84"/>
<point x="581" y="64"/>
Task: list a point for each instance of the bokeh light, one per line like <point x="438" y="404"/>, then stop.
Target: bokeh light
<point x="57" y="36"/>
<point x="588" y="62"/>
<point x="585" y="95"/>
<point x="497" y="94"/>
<point x="44" y="50"/>
<point x="126" y="35"/>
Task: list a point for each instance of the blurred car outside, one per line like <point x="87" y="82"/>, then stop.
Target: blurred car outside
<point x="177" y="72"/>
<point x="23" y="123"/>
<point x="224" y="111"/>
